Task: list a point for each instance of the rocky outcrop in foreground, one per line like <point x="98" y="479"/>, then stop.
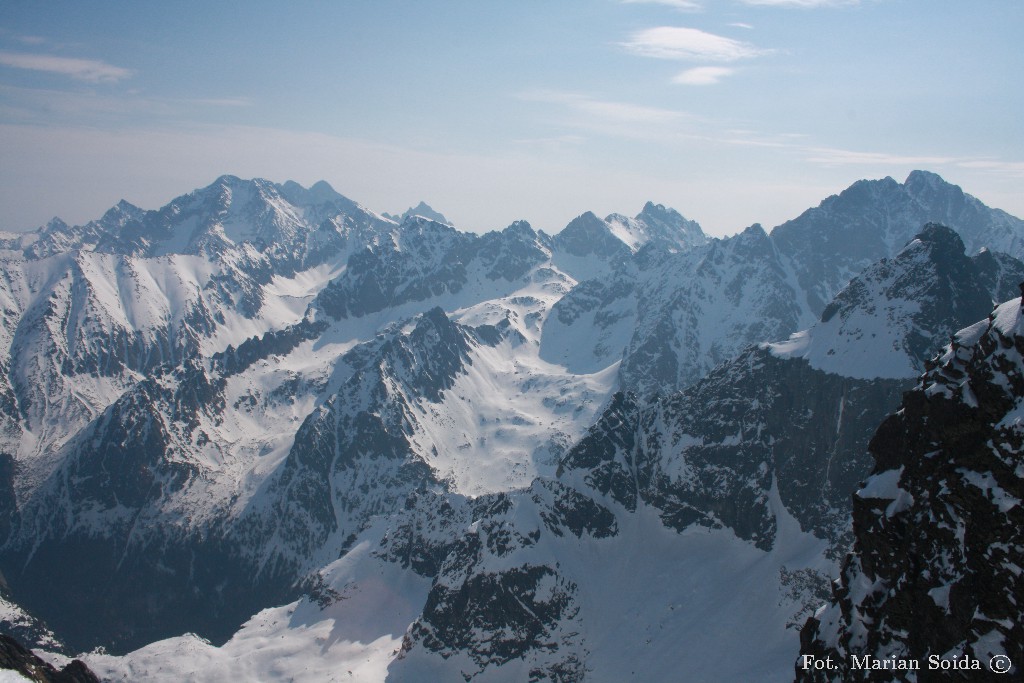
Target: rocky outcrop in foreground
<point x="933" y="589"/>
<point x="14" y="656"/>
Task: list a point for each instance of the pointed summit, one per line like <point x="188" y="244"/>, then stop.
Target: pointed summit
<point x="587" y="234"/>
<point x="319" y="193"/>
<point x="121" y="213"/>
<point x="919" y="179"/>
<point x="668" y="226"/>
<point x="652" y="211"/>
<point x="423" y="209"/>
<point x="891" y="317"/>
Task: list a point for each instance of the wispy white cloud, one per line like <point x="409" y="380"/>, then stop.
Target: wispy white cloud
<point x="606" y="110"/>
<point x="221" y="101"/>
<point x="105" y="107"/>
<point x="684" y="5"/>
<point x="32" y="40"/>
<point x="675" y="42"/>
<point x="552" y="143"/>
<point x="828" y="156"/>
<point x="1009" y="167"/>
<point x="89" y="70"/>
<point x="740" y="24"/>
<point x="703" y="75"/>
<point x="800" y="3"/>
<point x="836" y="157"/>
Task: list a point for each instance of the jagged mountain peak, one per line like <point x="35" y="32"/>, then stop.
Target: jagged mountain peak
<point x="891" y="317"/>
<point x="667" y="227"/>
<point x="755" y="232"/>
<point x="225" y="186"/>
<point x="321" y="189"/>
<point x="659" y="213"/>
<point x="752" y="240"/>
<point x="319" y="193"/>
<point x="585" y="221"/>
<point x="874" y="219"/>
<point x="860" y="193"/>
<point x="428" y="234"/>
<point x="939" y="238"/>
<point x="521" y="228"/>
<point x="588" y="235"/>
<point x="55" y="224"/>
<point x="424" y="210"/>
<point x="919" y="180"/>
<point x="124" y="207"/>
<point x="651" y="207"/>
<point x="437" y="319"/>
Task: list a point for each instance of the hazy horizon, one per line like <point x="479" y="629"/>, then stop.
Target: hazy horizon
<point x="730" y="111"/>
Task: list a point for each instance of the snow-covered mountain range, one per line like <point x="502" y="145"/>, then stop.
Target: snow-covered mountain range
<point x="265" y="433"/>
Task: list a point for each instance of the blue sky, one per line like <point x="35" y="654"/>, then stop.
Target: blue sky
<point x="731" y="111"/>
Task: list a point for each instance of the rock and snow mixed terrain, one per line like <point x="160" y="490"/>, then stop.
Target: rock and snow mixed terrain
<point x="264" y="433"/>
<point x="934" y="579"/>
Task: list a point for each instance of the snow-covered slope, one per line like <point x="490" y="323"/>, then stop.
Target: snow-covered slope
<point x="892" y="317"/>
<point x="671" y="317"/>
<point x="543" y="584"/>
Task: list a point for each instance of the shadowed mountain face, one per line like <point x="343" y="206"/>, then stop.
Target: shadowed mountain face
<point x="673" y="317"/>
<point x="453" y="455"/>
<point x="872" y="219"/>
<point x="891" y="318"/>
<point x="14" y="657"/>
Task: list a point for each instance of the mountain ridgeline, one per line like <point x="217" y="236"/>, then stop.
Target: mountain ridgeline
<point x="264" y="413"/>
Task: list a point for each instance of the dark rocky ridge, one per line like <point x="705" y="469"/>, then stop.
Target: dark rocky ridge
<point x="873" y="219"/>
<point x="14" y="656"/>
<point x="711" y="454"/>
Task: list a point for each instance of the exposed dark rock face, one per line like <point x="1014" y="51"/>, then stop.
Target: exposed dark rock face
<point x="511" y="253"/>
<point x="14" y="656"/>
<point x="898" y="312"/>
<point x="949" y="286"/>
<point x="588" y="235"/>
<point x="713" y="453"/>
<point x="496" y="596"/>
<point x="505" y="604"/>
<point x="999" y="273"/>
<point x="873" y="219"/>
<point x="935" y="570"/>
<point x="698" y="309"/>
<point x="23" y="627"/>
<point x="98" y="507"/>
<point x="233" y="360"/>
<point x="423" y="260"/>
<point x="8" y="501"/>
